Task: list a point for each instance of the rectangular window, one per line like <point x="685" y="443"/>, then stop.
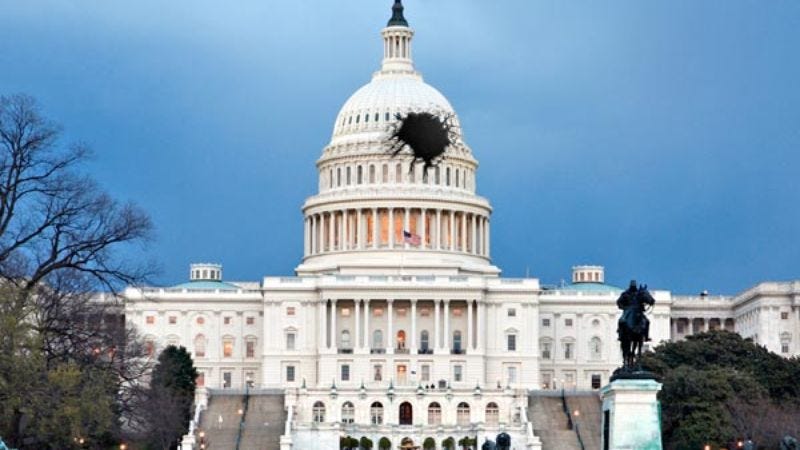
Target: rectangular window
<point x="567" y="322"/>
<point x="596" y="381"/>
<point x="345" y="312"/>
<point x="150" y="320"/>
<point x="547" y="380"/>
<point x="545" y="350"/>
<point x="785" y="315"/>
<point x="173" y="320"/>
<point x="290" y="374"/>
<point x="290" y="310"/>
<point x="227" y="378"/>
<point x="458" y="373"/>
<point x="511" y="342"/>
<point x="545" y="322"/>
<point x="681" y="327"/>
<point x="568" y="350"/>
<point x="512" y="375"/>
<point x="345" y="372"/>
<point x="425" y="373"/>
<point x="512" y="312"/>
<point x="784" y="348"/>
<point x="201" y="379"/>
<point x="250" y="349"/>
<point x="251" y="320"/>
<point x="377" y="372"/>
<point x="424" y="312"/>
<point x="227" y="349"/>
<point x="226" y="320"/>
<point x="377" y="312"/>
<point x="290" y="338"/>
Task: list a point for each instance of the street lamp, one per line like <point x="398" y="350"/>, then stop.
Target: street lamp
<point x="123" y="447"/>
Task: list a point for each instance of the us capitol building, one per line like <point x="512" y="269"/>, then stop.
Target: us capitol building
<point x="381" y="337"/>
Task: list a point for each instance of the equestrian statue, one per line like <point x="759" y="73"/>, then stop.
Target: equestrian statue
<point x="633" y="330"/>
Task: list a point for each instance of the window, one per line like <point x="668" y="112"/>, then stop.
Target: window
<point x="545" y="348"/>
<point x="596" y="381"/>
<point x="457" y="341"/>
<point x="318" y="412"/>
<point x="595" y="348"/>
<point x="200" y="346"/>
<point x="434" y="414"/>
<point x="149" y="346"/>
<point x="545" y="322"/>
<point x="290" y="374"/>
<point x="547" y="380"/>
<point x="424" y="341"/>
<point x="251" y="320"/>
<point x="226" y="320"/>
<point x="250" y="348"/>
<point x="462" y="414"/>
<point x="785" y="315"/>
<point x="348" y="176"/>
<point x="425" y="372"/>
<point x="290" y="341"/>
<point x="372" y="174"/>
<point x="344" y="312"/>
<point x="567" y="322"/>
<point x="201" y="379"/>
<point x="492" y="414"/>
<point x="377" y="372"/>
<point x="425" y="312"/>
<point x="344" y="341"/>
<point x="290" y="311"/>
<point x="345" y="372"/>
<point x="173" y="320"/>
<point x="377" y="339"/>
<point x="784" y="347"/>
<point x="401" y="373"/>
<point x="511" y="375"/>
<point x="376" y="413"/>
<point x="360" y="175"/>
<point x="377" y="312"/>
<point x="150" y="320"/>
<point x="348" y="413"/>
<point x="512" y="312"/>
<point x="458" y="372"/>
<point x="227" y="347"/>
<point x="681" y="327"/>
<point x="227" y="378"/>
<point x="568" y="350"/>
<point x="511" y="342"/>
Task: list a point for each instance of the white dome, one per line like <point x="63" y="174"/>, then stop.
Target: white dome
<point x="365" y="112"/>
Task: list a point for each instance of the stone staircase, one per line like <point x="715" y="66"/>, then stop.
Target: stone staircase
<point x="546" y="412"/>
<point x="221" y="434"/>
<point x="264" y="423"/>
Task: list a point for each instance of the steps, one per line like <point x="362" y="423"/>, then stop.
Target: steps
<point x="221" y="434"/>
<point x="546" y="412"/>
<point x="265" y="422"/>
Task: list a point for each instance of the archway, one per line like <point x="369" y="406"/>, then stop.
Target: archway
<point x="406" y="414"/>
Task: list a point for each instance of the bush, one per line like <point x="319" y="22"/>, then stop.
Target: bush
<point x="366" y="443"/>
<point x="384" y="444"/>
<point x="429" y="443"/>
<point x="449" y="443"/>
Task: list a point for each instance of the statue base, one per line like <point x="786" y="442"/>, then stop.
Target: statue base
<point x="631" y="414"/>
<point x="632" y="373"/>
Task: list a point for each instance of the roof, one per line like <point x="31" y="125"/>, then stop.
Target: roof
<point x="207" y="284"/>
<point x="589" y="287"/>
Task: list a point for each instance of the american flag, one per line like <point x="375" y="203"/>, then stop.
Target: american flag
<point x="411" y="238"/>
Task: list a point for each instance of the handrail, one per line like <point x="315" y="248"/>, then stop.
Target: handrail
<point x="245" y="402"/>
<point x="570" y="425"/>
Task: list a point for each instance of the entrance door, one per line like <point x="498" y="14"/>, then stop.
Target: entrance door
<point x="406" y="414"/>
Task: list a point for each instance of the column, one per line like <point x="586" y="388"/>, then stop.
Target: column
<point x="367" y="342"/>
<point x="333" y="325"/>
<point x="306" y="235"/>
<point x="488" y="238"/>
<point x="481" y="320"/>
<point x="391" y="227"/>
<point x="406" y="226"/>
<point x="469" y="324"/>
<point x="452" y="230"/>
<point x="331" y="230"/>
<point x="474" y="235"/>
<point x="390" y="340"/>
<point x="323" y="322"/>
<point x="464" y="232"/>
<point x="344" y="242"/>
<point x="357" y="315"/>
<point x="360" y="229"/>
<point x="436" y="340"/>
<point x="438" y="229"/>
<point x="424" y="228"/>
<point x="446" y="317"/>
<point x="375" y="228"/>
<point x="413" y="325"/>
<point x="312" y="238"/>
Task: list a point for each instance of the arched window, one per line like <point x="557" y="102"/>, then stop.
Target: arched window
<point x="412" y="172"/>
<point x="338" y="177"/>
<point x="360" y="175"/>
<point x="345" y="342"/>
<point x="596" y="348"/>
<point x="447" y="176"/>
<point x="457" y="176"/>
<point x="457" y="341"/>
<point x="200" y="346"/>
<point x="318" y="412"/>
<point x="376" y="413"/>
<point x="406" y="414"/>
<point x="462" y="414"/>
<point x="330" y="178"/>
<point x="150" y="345"/>
<point x="372" y="174"/>
<point x="492" y="414"/>
<point x="434" y="414"/>
<point x="401" y="340"/>
<point x="424" y="340"/>
<point x="385" y="175"/>
<point x="348" y="180"/>
<point x="437" y="178"/>
<point x="377" y="339"/>
<point x="348" y="413"/>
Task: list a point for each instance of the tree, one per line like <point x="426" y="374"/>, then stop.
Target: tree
<point x="60" y="237"/>
<point x="429" y="443"/>
<point x="348" y="443"/>
<point x="384" y="443"/>
<point x="171" y="396"/>
<point x="449" y="443"/>
<point x="719" y="387"/>
<point x="467" y="442"/>
<point x="366" y="443"/>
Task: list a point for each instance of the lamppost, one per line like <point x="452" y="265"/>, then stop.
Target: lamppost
<point x="576" y="414"/>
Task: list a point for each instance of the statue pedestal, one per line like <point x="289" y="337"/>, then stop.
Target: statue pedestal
<point x="631" y="415"/>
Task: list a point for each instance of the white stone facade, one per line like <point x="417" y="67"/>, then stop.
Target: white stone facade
<point x="371" y="318"/>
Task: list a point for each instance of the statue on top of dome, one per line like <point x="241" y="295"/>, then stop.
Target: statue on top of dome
<point x="426" y="135"/>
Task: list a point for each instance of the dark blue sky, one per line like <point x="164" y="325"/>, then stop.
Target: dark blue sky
<point x="660" y="139"/>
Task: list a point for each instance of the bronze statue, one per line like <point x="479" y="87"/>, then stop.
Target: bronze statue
<point x="633" y="329"/>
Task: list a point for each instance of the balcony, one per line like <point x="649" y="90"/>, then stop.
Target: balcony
<point x="425" y="351"/>
<point x="458" y="351"/>
<point x="401" y="351"/>
<point x="377" y="351"/>
<point x="345" y="351"/>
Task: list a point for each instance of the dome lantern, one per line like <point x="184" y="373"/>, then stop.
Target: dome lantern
<point x="397" y="15"/>
<point x="397" y="43"/>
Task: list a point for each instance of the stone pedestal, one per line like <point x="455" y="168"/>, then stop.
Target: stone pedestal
<point x="631" y="415"/>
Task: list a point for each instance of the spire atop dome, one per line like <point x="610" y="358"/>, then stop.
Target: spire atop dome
<point x="397" y="19"/>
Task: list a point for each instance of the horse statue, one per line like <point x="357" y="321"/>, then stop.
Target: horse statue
<point x="634" y="327"/>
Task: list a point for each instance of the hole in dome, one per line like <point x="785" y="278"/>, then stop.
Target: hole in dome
<point x="426" y="135"/>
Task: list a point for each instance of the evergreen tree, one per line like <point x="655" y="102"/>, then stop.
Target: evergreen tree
<point x="172" y="389"/>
